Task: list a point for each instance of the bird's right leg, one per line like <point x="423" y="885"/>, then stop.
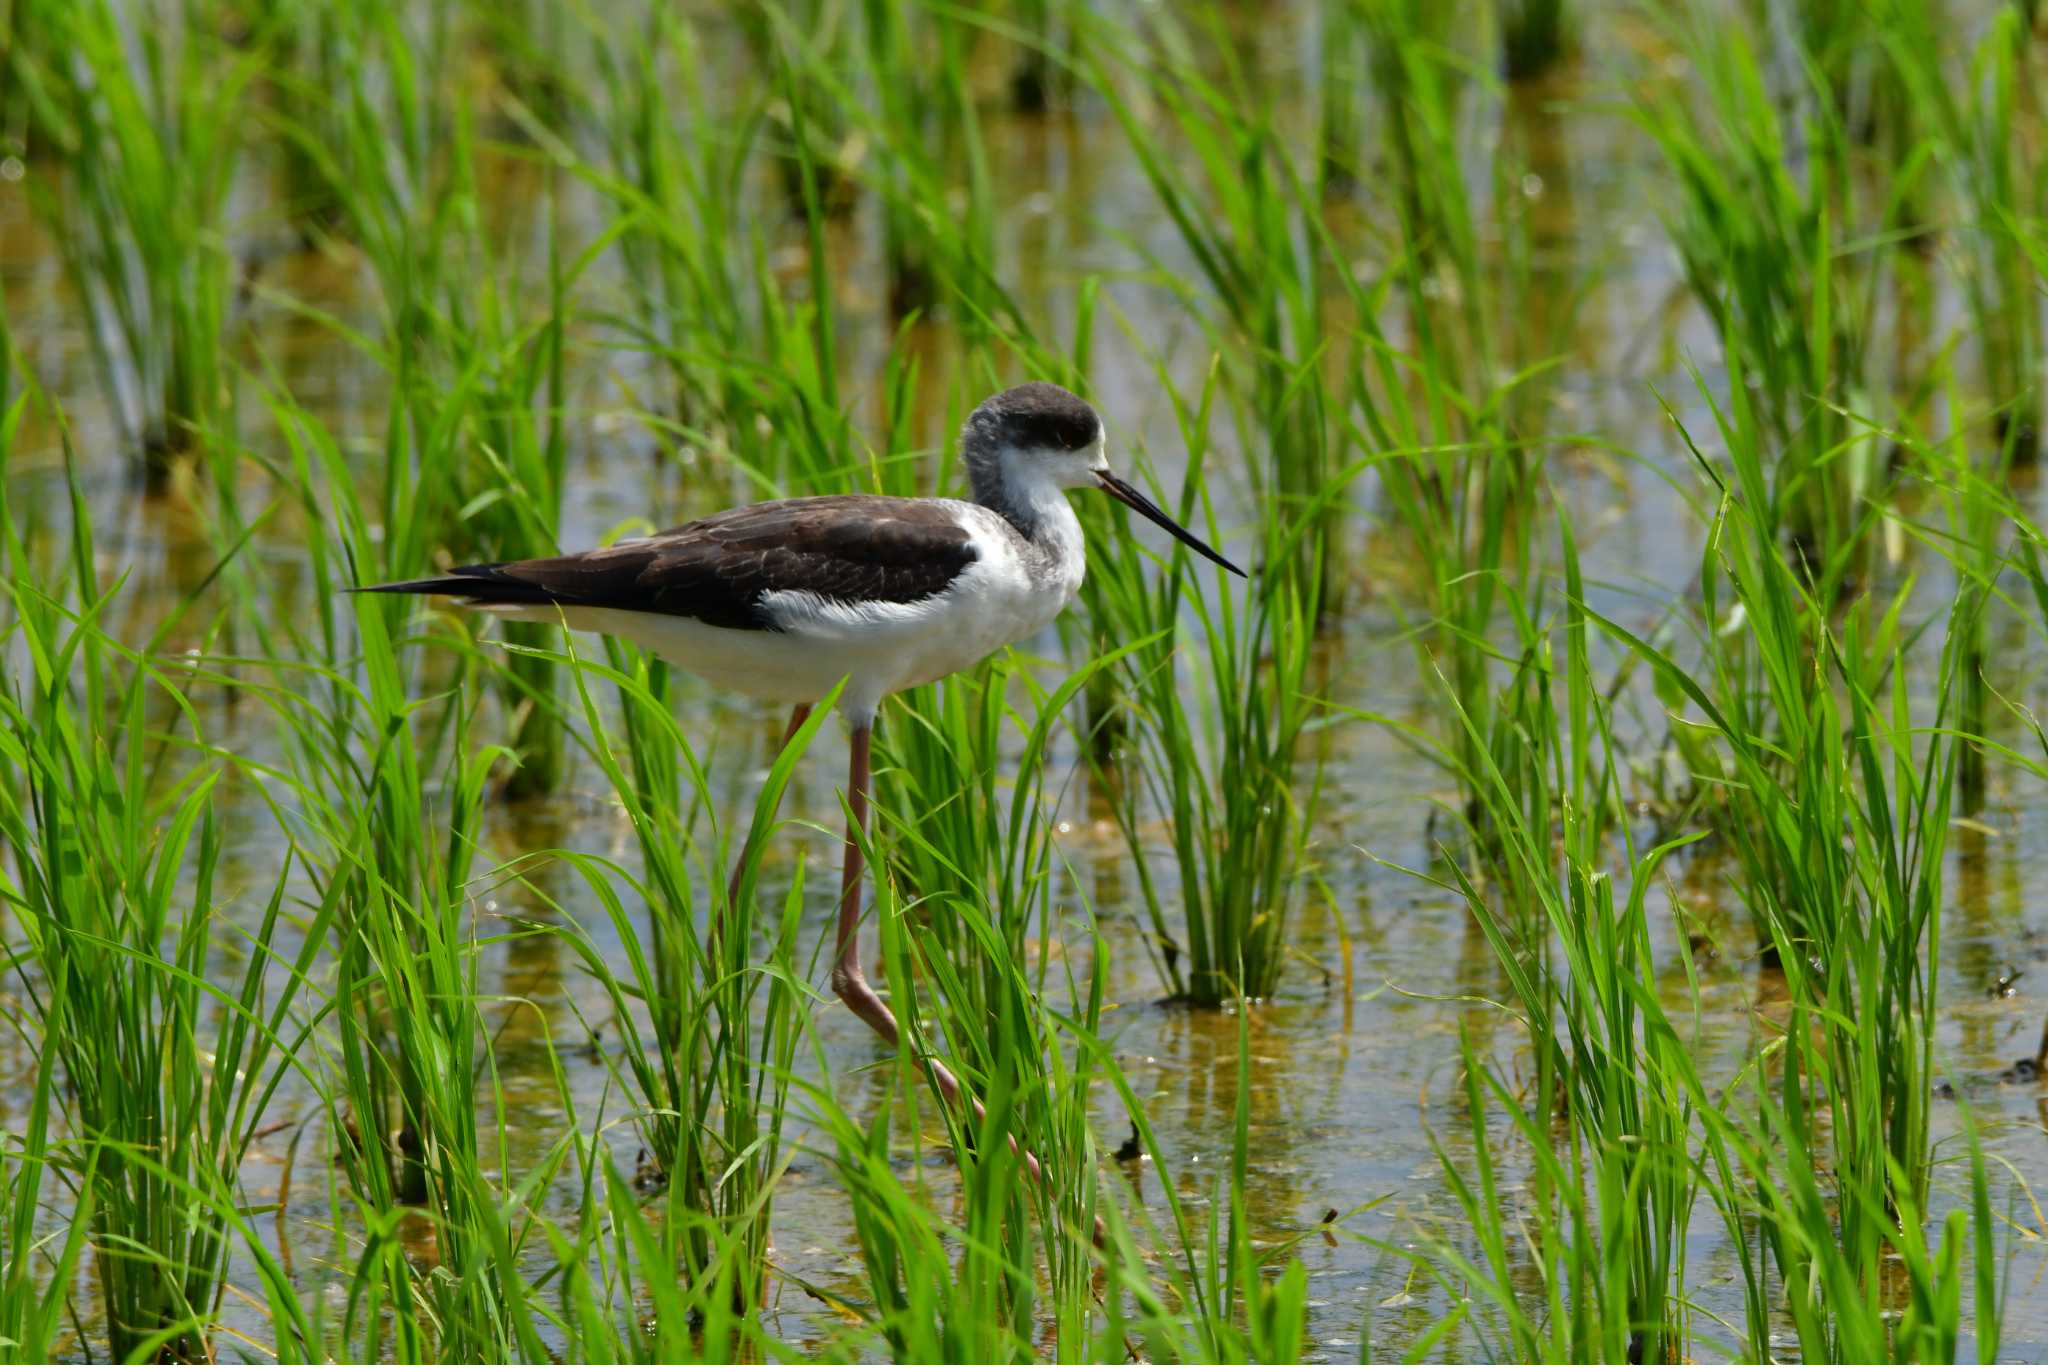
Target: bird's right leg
<point x="849" y="982"/>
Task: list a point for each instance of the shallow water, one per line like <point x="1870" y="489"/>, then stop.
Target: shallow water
<point x="1354" y="1069"/>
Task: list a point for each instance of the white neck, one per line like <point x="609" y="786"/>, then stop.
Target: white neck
<point x="1019" y="487"/>
<point x="1054" y="527"/>
<point x="1031" y="496"/>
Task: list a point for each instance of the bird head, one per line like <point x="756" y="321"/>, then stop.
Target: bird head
<point x="1040" y="433"/>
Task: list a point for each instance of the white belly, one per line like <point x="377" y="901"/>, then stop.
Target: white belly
<point x="878" y="648"/>
<point x="764" y="664"/>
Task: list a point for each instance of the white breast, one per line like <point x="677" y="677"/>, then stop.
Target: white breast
<point x="1010" y="592"/>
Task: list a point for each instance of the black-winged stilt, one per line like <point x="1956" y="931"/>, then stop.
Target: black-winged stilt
<point x="783" y="600"/>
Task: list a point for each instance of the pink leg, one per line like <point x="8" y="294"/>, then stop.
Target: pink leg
<point x="849" y="982"/>
<point x="732" y="887"/>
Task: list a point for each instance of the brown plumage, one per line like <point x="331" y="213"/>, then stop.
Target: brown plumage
<point x="850" y="548"/>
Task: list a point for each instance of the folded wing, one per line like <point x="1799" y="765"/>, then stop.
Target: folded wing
<point x="719" y="570"/>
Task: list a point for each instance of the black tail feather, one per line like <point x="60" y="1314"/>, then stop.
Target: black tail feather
<point x="483" y="584"/>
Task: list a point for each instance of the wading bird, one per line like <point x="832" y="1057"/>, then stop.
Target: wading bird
<point x="783" y="600"/>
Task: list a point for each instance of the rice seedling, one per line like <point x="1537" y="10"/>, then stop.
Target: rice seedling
<point x="1773" y="689"/>
<point x="391" y="857"/>
<point x="1840" y="796"/>
<point x="1974" y="135"/>
<point x="1457" y="429"/>
<point x="1022" y="1255"/>
<point x="1241" y="209"/>
<point x="416" y="1119"/>
<point x="308" y="125"/>
<point x="1968" y="487"/>
<point x="1611" y="1210"/>
<point x="475" y="453"/>
<point x="1839" y="44"/>
<point x="1421" y="91"/>
<point x="516" y="440"/>
<point x="1198" y="1290"/>
<point x="754" y="369"/>
<point x="123" y="905"/>
<point x="713" y="1069"/>
<point x="528" y="49"/>
<point x="136" y="130"/>
<point x="810" y="151"/>
<point x="1217" y="1297"/>
<point x="1223" y="773"/>
<point x="957" y="851"/>
<point x="1763" y="1179"/>
<point x="921" y="119"/>
<point x="1784" y="267"/>
<point x="34" y="1298"/>
<point x="403" y="972"/>
<point x="685" y="242"/>
<point x="1340" y="103"/>
<point x="928" y="167"/>
<point x="976" y="916"/>
<point x="1609" y="1206"/>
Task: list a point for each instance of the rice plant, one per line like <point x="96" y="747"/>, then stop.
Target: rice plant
<point x="476" y="447"/>
<point x="138" y="127"/>
<point x="1244" y="212"/>
<point x="1978" y="139"/>
<point x="964" y="849"/>
<point x="1611" y="1206"/>
<point x="922" y="118"/>
<point x="810" y="146"/>
<point x="118" y="889"/>
<point x="685" y="239"/>
<point x="1784" y="265"/>
<point x="1454" y="412"/>
<point x="754" y="369"/>
<point x="1226" y="773"/>
<point x="1840" y="796"/>
<point x="713" y="1068"/>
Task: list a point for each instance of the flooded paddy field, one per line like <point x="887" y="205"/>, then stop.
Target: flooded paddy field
<point x="1582" y="898"/>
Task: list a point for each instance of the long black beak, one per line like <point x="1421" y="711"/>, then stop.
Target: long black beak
<point x="1146" y="508"/>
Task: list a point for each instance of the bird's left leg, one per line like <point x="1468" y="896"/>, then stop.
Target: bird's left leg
<point x="739" y="867"/>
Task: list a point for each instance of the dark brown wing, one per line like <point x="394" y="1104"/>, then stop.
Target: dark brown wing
<point x="718" y="570"/>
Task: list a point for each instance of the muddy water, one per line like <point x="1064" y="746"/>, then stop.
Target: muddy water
<point x="1353" y="1068"/>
